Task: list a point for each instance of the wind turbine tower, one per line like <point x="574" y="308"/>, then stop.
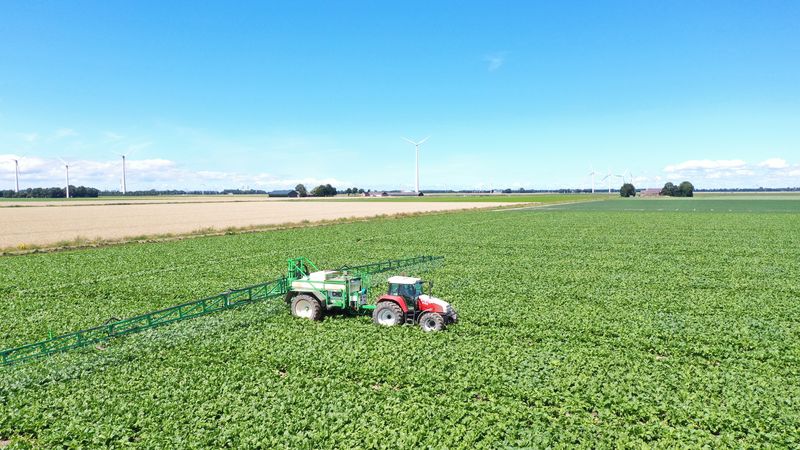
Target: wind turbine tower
<point x="16" y="176"/>
<point x="124" y="176"/>
<point x="66" y="166"/>
<point x="416" y="145"/>
<point x="592" y="173"/>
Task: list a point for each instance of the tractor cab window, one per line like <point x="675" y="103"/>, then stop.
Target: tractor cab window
<point x="407" y="291"/>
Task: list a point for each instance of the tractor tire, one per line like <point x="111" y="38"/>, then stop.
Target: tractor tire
<point x="387" y="314"/>
<point x="431" y="322"/>
<point x="306" y="307"/>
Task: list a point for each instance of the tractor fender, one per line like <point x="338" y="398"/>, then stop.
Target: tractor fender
<point x="400" y="301"/>
<point x="292" y="294"/>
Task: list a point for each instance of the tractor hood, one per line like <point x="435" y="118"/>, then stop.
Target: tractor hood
<point x="433" y="300"/>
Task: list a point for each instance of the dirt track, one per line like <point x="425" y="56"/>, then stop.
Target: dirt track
<point x="49" y="225"/>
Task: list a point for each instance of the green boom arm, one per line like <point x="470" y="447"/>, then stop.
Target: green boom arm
<point x="196" y="308"/>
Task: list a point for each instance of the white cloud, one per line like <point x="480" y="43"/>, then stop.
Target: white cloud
<point x="495" y="60"/>
<point x="65" y="132"/>
<point x="29" y="137"/>
<point x="773" y="172"/>
<point x="142" y="174"/>
<point x="774" y="163"/>
<point x="706" y="164"/>
<point x="113" y="137"/>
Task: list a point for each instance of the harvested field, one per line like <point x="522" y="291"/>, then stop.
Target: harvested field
<point x="38" y="202"/>
<point x="49" y="225"/>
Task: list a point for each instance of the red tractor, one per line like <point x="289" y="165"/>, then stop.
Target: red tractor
<point x="406" y="303"/>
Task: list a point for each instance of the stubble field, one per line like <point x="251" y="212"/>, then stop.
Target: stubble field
<point x="35" y="225"/>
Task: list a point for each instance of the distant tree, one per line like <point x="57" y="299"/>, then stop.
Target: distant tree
<point x="323" y="190"/>
<point x="669" y="189"/>
<point x="53" y="192"/>
<point x="507" y="191"/>
<point x="301" y="190"/>
<point x="686" y="189"/>
<point x="627" y="190"/>
<point x="360" y="190"/>
<point x="348" y="191"/>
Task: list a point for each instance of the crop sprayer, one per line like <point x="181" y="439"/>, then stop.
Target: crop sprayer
<point x="310" y="294"/>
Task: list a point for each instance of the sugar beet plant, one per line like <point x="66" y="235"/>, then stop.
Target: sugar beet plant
<point x="679" y="331"/>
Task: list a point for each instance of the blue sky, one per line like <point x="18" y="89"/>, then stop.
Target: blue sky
<point x="513" y="94"/>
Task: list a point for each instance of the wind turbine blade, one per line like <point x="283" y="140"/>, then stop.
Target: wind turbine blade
<point x="422" y="141"/>
<point x="409" y="140"/>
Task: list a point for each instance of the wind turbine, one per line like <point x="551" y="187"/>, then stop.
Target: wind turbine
<point x="417" y="144"/>
<point x="16" y="175"/>
<point x="66" y="166"/>
<point x="124" y="171"/>
<point x="16" y="172"/>
<point x="608" y="177"/>
<point x="124" y="175"/>
<point x="592" y="173"/>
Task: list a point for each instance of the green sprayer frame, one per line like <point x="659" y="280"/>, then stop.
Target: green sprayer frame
<point x="226" y="300"/>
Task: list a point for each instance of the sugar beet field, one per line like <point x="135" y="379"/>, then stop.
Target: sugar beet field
<point x="606" y="324"/>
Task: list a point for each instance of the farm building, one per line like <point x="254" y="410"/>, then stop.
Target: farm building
<point x="650" y="192"/>
<point x="286" y="193"/>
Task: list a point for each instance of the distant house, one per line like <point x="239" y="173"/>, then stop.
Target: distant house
<point x="375" y="194"/>
<point x="405" y="194"/>
<point x="650" y="193"/>
<point x="286" y="193"/>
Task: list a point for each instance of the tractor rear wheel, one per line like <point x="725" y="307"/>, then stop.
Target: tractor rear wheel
<point x="431" y="322"/>
<point x="306" y="307"/>
<point x="387" y="314"/>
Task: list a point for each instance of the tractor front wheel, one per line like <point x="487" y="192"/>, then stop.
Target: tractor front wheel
<point x="431" y="322"/>
<point x="387" y="314"/>
<point x="306" y="307"/>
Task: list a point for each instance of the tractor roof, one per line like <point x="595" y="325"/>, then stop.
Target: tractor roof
<point x="397" y="279"/>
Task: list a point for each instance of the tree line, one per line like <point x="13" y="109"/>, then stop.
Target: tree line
<point x="326" y="190"/>
<point x="52" y="192"/>
<point x="155" y="192"/>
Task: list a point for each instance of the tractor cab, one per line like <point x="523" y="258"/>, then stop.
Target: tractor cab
<point x="407" y="287"/>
